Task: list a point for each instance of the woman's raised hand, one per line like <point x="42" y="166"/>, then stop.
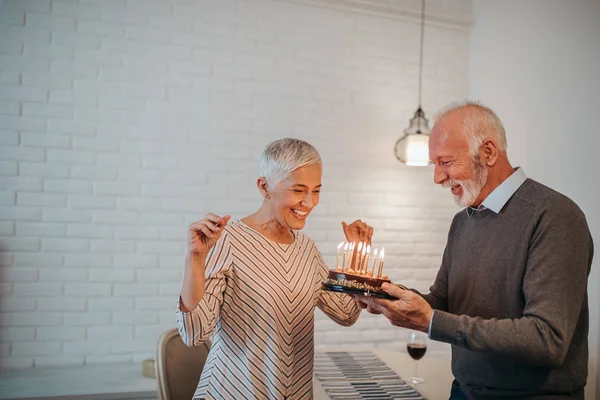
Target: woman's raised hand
<point x="203" y="234"/>
<point x="358" y="231"/>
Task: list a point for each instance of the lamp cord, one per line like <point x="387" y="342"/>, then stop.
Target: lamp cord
<point x="422" y="41"/>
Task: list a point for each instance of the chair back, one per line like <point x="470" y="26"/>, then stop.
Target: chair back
<point x="178" y="367"/>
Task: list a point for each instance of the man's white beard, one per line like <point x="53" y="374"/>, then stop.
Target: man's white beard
<point x="471" y="187"/>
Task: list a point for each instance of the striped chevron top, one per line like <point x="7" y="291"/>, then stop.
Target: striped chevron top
<point x="259" y="302"/>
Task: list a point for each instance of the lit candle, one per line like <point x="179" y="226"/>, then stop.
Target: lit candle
<point x="365" y="263"/>
<point x="350" y="255"/>
<point x="356" y="259"/>
<point x="337" y="256"/>
<point x="362" y="258"/>
<point x="380" y="267"/>
<point x="344" y="256"/>
<point x="374" y="261"/>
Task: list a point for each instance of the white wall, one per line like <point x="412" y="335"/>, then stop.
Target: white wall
<point x="122" y="121"/>
<point x="537" y="64"/>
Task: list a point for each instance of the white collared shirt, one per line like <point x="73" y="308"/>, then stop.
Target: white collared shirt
<point x="500" y="196"/>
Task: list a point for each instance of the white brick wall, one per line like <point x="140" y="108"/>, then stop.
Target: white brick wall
<point x="123" y="121"/>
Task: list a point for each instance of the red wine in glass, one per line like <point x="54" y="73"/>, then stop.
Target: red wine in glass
<point x="416" y="345"/>
<point x="416" y="350"/>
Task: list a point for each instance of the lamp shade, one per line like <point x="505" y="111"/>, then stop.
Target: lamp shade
<point x="413" y="148"/>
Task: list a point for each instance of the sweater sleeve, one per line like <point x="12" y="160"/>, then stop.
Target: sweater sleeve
<point x="554" y="290"/>
<point x="438" y="292"/>
<point x="340" y="307"/>
<point x="196" y="326"/>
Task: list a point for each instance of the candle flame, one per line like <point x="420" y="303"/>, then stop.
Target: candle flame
<point x="340" y="245"/>
<point x="381" y="254"/>
<point x="346" y="246"/>
<point x="374" y="254"/>
<point x="368" y="249"/>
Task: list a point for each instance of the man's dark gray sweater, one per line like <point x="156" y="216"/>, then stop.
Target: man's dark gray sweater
<point x="511" y="297"/>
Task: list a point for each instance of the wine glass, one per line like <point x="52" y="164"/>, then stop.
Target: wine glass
<point x="416" y="346"/>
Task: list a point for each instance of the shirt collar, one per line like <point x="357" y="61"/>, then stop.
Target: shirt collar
<point x="500" y="196"/>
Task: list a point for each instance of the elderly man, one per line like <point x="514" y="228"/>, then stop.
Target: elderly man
<point x="511" y="293"/>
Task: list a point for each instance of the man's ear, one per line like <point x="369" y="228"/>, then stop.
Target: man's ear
<point x="490" y="152"/>
<point x="263" y="187"/>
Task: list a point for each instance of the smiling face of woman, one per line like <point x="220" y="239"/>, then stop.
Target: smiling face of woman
<point x="292" y="199"/>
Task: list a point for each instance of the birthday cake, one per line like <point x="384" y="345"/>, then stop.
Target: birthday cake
<point x="357" y="281"/>
<point x="354" y="275"/>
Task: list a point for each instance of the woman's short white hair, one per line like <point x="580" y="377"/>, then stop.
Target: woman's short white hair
<point x="281" y="157"/>
<point x="479" y="124"/>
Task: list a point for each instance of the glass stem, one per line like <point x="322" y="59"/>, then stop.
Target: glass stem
<point x="417" y="369"/>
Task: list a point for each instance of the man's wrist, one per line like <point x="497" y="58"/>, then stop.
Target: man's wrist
<point x="430" y="323"/>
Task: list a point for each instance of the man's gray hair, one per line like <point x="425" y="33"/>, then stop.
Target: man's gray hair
<point x="281" y="157"/>
<point x="479" y="124"/>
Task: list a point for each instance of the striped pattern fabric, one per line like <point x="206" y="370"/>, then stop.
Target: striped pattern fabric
<point x="360" y="376"/>
<point x="259" y="306"/>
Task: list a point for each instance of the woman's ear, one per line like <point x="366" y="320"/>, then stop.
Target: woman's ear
<point x="263" y="187"/>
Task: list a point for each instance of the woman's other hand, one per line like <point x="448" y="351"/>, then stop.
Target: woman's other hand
<point x="203" y="234"/>
<point x="358" y="231"/>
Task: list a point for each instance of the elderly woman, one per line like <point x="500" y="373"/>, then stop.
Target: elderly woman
<point x="255" y="282"/>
